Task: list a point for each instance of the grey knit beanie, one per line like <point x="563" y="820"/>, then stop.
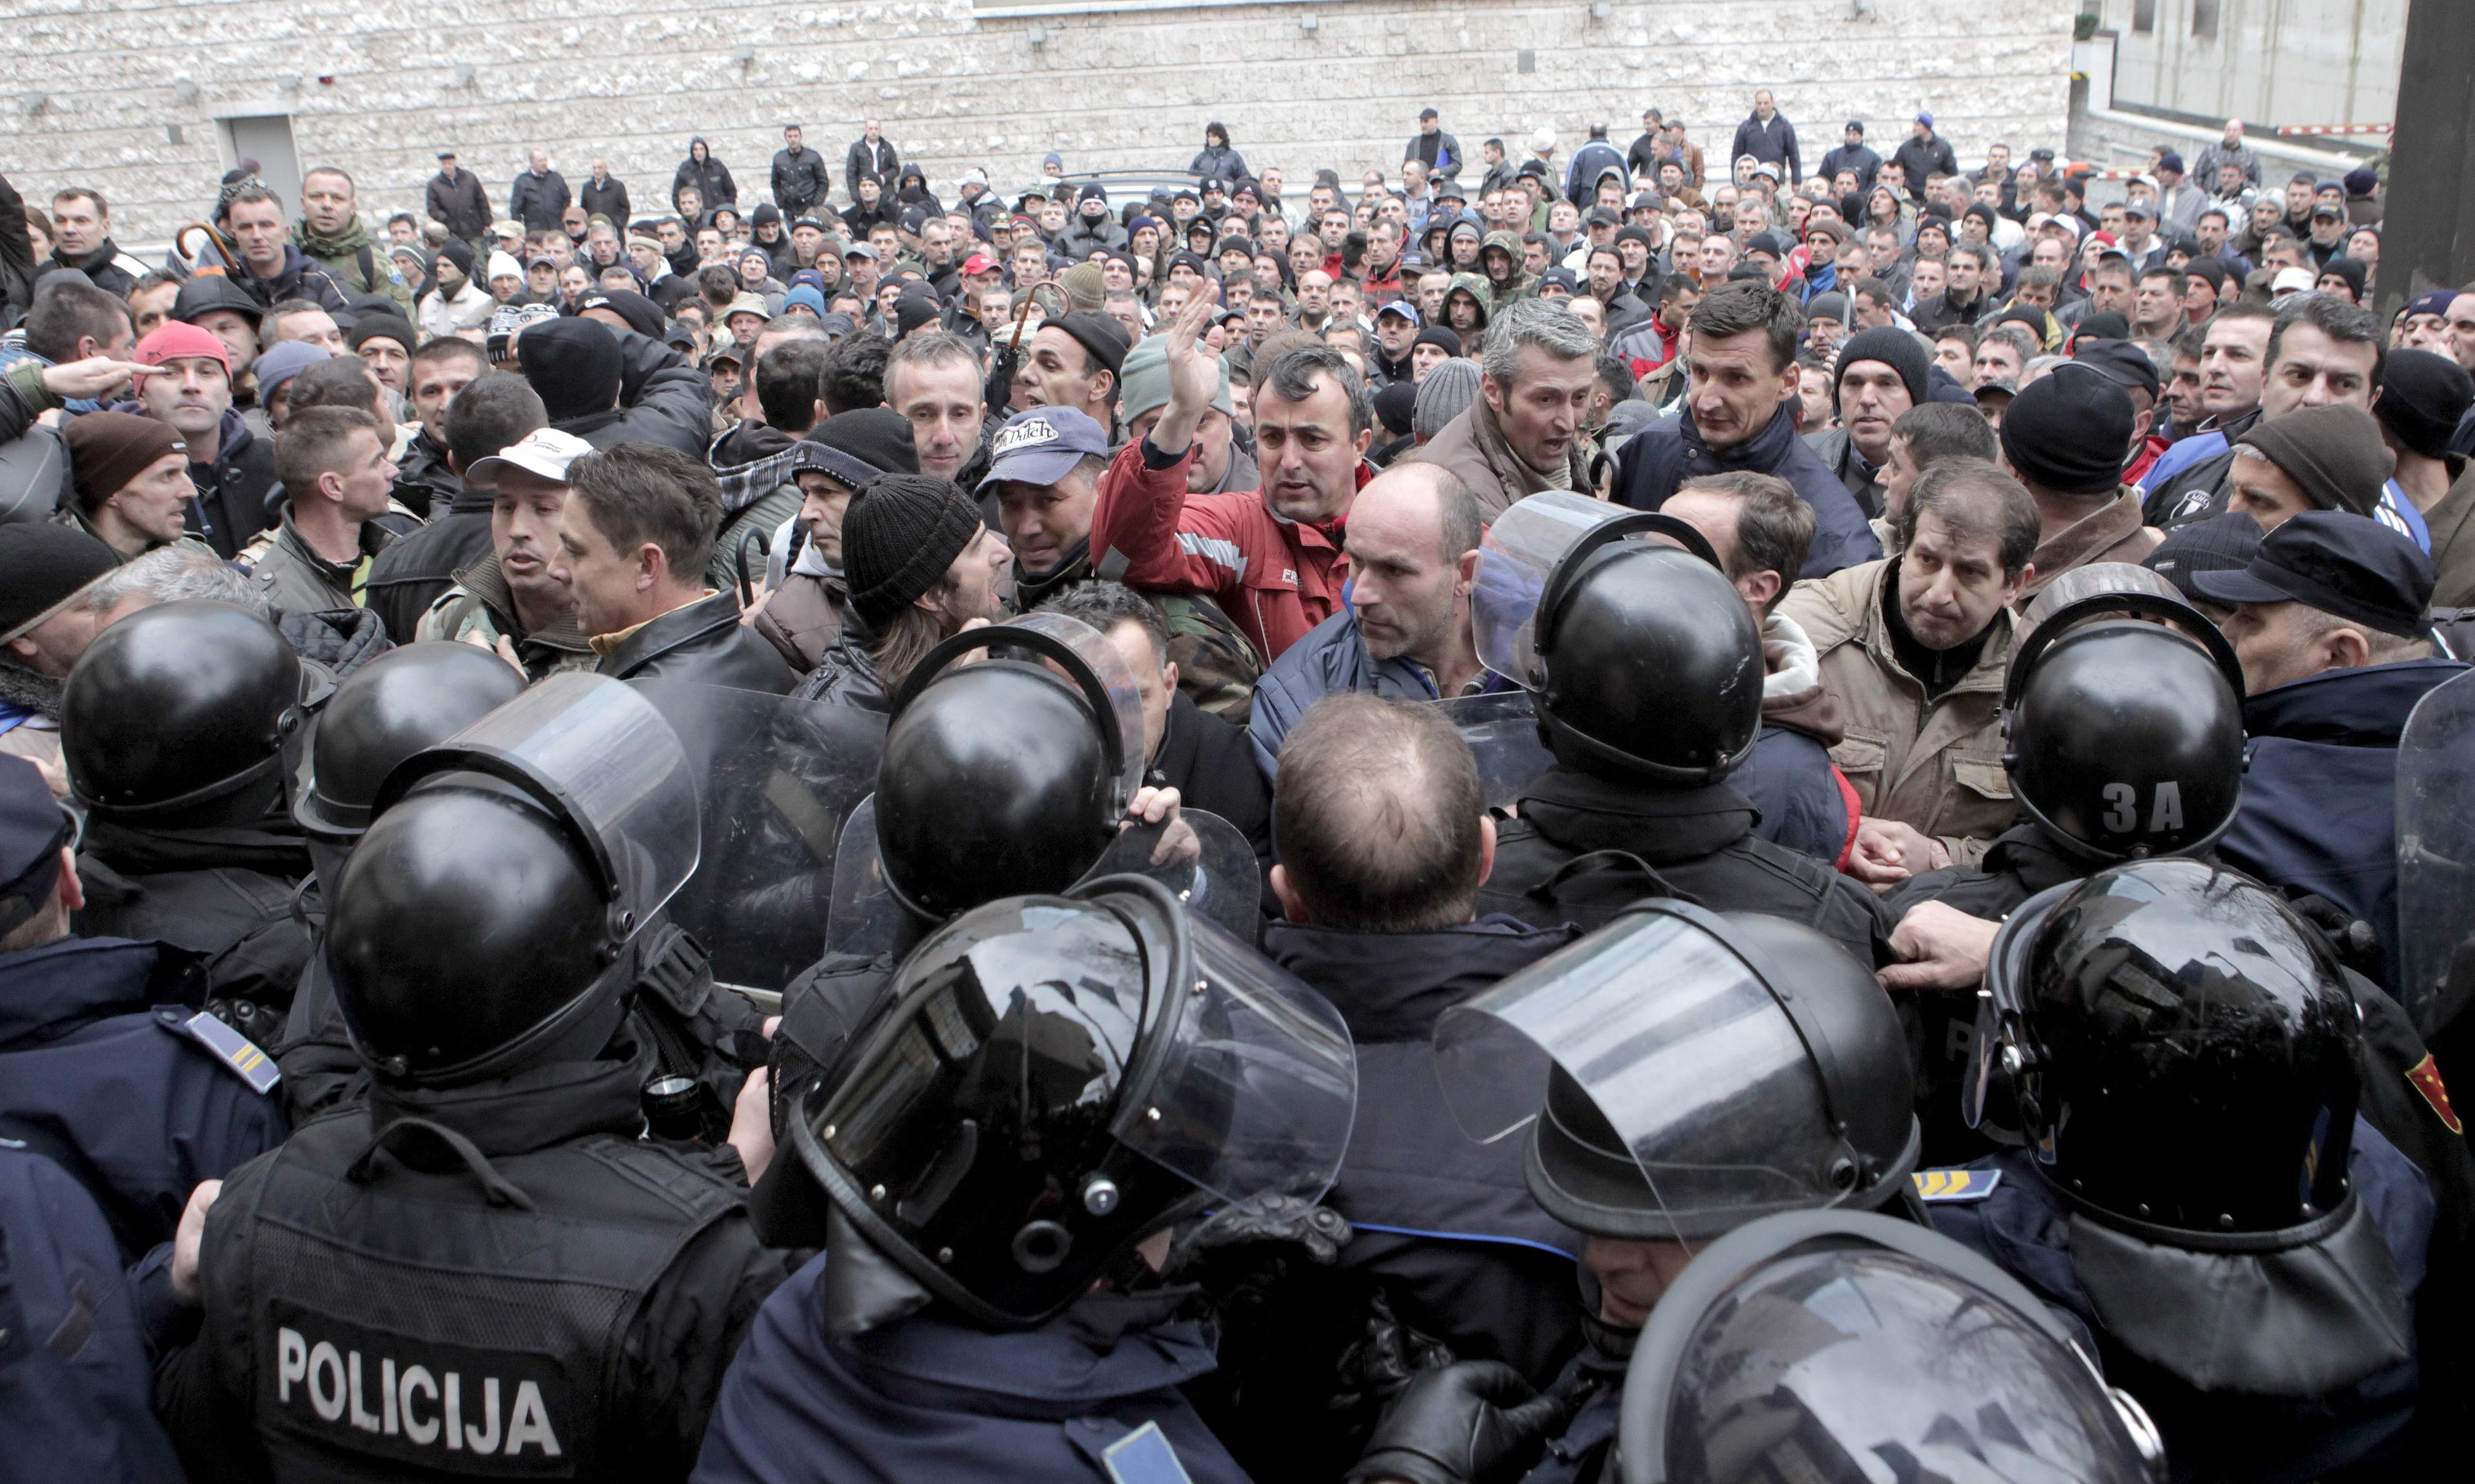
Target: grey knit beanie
<point x="1445" y="395"/>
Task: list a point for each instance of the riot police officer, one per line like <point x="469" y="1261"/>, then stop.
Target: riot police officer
<point x="1059" y="1079"/>
<point x="107" y="1063"/>
<point x="1009" y="775"/>
<point x="1647" y="672"/>
<point x="1837" y="1345"/>
<point x="488" y="1269"/>
<point x="405" y="700"/>
<point x="2182" y="1052"/>
<point x="2123" y="738"/>
<point x="1633" y="1143"/>
<point x="175" y="725"/>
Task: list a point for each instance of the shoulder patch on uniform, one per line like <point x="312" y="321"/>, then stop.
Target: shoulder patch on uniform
<point x="1937" y="1187"/>
<point x="230" y="1047"/>
<point x="1145" y="1456"/>
<point x="2426" y="1077"/>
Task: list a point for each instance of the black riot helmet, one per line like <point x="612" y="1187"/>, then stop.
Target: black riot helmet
<point x="1689" y="1071"/>
<point x="1844" y="1348"/>
<point x="408" y="699"/>
<point x="1643" y="655"/>
<point x="179" y="714"/>
<point x="2123" y="717"/>
<point x="1058" y="1076"/>
<point x="1008" y="775"/>
<point x="486" y="920"/>
<point x="2179" y="1047"/>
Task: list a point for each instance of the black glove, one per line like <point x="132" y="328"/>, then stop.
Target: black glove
<point x="2358" y="944"/>
<point x="1474" y="1421"/>
<point x="1319" y="1231"/>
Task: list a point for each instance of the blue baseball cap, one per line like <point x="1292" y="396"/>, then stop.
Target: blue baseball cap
<point x="1042" y="445"/>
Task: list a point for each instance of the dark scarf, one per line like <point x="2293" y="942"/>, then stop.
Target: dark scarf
<point x="1936" y="670"/>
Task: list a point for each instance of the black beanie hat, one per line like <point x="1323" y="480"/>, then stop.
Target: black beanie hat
<point x="381" y="326"/>
<point x="910" y="311"/>
<point x="901" y="533"/>
<point x="2423" y="397"/>
<point x="642" y="314"/>
<point x="41" y="566"/>
<point x="1893" y="347"/>
<point x="574" y="364"/>
<point x="1444" y="339"/>
<point x="1396" y="406"/>
<point x="2069" y="432"/>
<point x="1100" y="335"/>
<point x="857" y="446"/>
<point x="455" y="251"/>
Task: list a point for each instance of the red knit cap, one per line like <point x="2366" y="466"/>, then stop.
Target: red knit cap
<point x="175" y="340"/>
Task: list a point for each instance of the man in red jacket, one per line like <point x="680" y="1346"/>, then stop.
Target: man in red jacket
<point x="1272" y="557"/>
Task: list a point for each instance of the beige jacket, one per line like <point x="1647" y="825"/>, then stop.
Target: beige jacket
<point x="1935" y="765"/>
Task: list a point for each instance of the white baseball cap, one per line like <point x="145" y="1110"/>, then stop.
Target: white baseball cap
<point x="544" y="454"/>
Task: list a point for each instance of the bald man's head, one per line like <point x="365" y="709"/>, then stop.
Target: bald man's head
<point x="1382" y="825"/>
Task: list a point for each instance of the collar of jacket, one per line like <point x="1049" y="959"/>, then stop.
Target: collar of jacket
<point x="1874" y="632"/>
<point x="1487" y="435"/>
<point x="48" y="991"/>
<point x="30" y="691"/>
<point x="351" y="239"/>
<point x="2348" y="708"/>
<point x="485" y="581"/>
<point x="372" y="537"/>
<point x="1585" y="811"/>
<point x="1391" y="986"/>
<point x="2073" y="545"/>
<point x="1761" y="453"/>
<point x="665" y="631"/>
<point x="535" y="1108"/>
<point x="1031" y="590"/>
<point x="1107" y="1345"/>
<point x="105" y="254"/>
<point x="1794" y="695"/>
<point x="2027" y="851"/>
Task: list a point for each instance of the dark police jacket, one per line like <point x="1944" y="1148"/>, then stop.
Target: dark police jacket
<point x="1665" y="454"/>
<point x="1584" y="847"/>
<point x="928" y="1401"/>
<point x="2267" y="1367"/>
<point x="506" y="1259"/>
<point x="99" y="1070"/>
<point x="75" y="1378"/>
<point x="223" y="892"/>
<point x="2320" y="794"/>
<point x="703" y="642"/>
<point x="1449" y="1246"/>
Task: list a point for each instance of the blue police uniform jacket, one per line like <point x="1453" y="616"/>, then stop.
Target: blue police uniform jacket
<point x="99" y="1069"/>
<point x="2230" y="1430"/>
<point x="1448" y="1225"/>
<point x="75" y="1369"/>
<point x="928" y="1401"/>
<point x="1665" y="454"/>
<point x="2319" y="796"/>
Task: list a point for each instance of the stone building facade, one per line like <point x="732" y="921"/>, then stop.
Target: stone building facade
<point x="150" y="102"/>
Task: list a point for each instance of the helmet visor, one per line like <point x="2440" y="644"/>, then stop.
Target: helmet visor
<point x="864" y="917"/>
<point x="594" y="751"/>
<point x="1203" y="859"/>
<point x="1698" y="1073"/>
<point x="1251" y="1085"/>
<point x="780" y="778"/>
<point x="2114" y="589"/>
<point x="1856" y="1364"/>
<point x="2435" y="828"/>
<point x="1502" y="730"/>
<point x="1519" y="553"/>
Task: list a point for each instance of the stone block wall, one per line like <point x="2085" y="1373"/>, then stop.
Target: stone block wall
<point x="125" y="94"/>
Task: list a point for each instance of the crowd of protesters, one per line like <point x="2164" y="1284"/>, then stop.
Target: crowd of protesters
<point x="786" y="431"/>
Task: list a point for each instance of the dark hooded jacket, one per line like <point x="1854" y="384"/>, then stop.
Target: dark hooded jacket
<point x="710" y="177"/>
<point x="1664" y="455"/>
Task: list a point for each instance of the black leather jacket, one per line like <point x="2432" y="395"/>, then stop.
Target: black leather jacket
<point x="703" y="642"/>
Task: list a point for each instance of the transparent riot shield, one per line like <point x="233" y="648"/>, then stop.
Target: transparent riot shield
<point x="1502" y="730"/>
<point x="1202" y="859"/>
<point x="2436" y="844"/>
<point x="776" y="780"/>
